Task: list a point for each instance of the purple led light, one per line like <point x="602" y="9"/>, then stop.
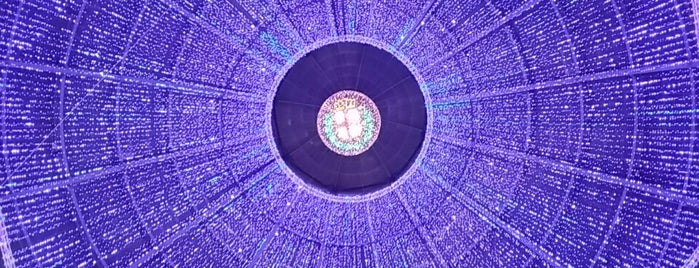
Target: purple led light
<point x="560" y="133"/>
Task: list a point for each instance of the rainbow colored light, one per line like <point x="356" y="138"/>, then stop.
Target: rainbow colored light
<point x="349" y="122"/>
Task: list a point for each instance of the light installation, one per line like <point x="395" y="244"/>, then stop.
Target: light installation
<point x="563" y="134"/>
<point x="349" y="122"/>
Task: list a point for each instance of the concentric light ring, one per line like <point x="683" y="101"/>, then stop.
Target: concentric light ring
<point x="335" y="126"/>
<point x="269" y="132"/>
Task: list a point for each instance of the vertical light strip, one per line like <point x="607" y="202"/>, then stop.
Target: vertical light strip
<point x="8" y="259"/>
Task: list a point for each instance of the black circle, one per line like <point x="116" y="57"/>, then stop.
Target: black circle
<point x="349" y="66"/>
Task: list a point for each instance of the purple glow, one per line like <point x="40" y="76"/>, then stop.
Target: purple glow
<point x="559" y="133"/>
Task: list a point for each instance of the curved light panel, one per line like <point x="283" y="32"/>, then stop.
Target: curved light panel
<point x="514" y="133"/>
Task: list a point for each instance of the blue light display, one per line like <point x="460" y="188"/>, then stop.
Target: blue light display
<point x="562" y="133"/>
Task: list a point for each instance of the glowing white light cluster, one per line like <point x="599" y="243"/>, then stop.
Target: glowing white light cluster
<point x="348" y="122"/>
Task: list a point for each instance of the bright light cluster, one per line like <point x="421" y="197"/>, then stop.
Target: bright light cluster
<point x="349" y="122"/>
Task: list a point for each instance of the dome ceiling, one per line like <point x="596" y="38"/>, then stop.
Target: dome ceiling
<point x="556" y="133"/>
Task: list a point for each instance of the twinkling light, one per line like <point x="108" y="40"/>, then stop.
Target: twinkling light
<point x="563" y="134"/>
<point x="349" y="122"/>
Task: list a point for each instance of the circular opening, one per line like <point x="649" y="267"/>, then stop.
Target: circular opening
<point x="348" y="123"/>
<point x="348" y="119"/>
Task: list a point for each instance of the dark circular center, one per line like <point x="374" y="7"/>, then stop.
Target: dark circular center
<point x="371" y="71"/>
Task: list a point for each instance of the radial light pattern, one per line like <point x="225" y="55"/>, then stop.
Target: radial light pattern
<point x="349" y="122"/>
<point x="563" y="134"/>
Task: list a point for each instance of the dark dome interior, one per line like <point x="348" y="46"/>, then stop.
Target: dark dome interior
<point x="559" y="133"/>
<point x="366" y="69"/>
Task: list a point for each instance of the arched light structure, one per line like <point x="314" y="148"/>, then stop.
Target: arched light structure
<point x="514" y="133"/>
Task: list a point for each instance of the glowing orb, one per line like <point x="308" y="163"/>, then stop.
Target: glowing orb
<point x="348" y="122"/>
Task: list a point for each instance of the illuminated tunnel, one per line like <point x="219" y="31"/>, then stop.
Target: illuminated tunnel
<point x="480" y="133"/>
